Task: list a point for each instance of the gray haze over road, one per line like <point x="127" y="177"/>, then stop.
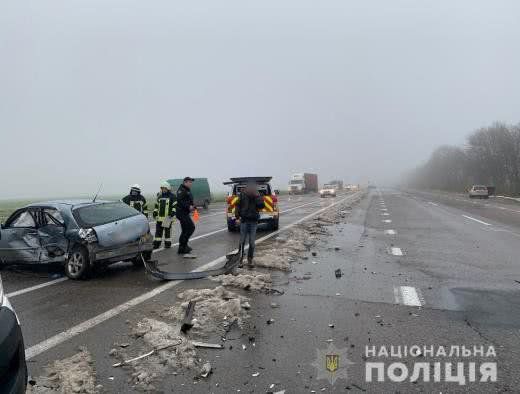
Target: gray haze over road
<point x="130" y="91"/>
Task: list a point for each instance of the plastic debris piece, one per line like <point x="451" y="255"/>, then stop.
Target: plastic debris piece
<point x="338" y="273"/>
<point x="206" y="370"/>
<point x="208" y="345"/>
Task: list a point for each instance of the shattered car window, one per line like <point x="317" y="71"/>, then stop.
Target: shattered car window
<point x="24" y="219"/>
<point x="99" y="214"/>
<point x="53" y="217"/>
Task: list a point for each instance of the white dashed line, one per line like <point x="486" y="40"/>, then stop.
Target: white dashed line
<point x="385" y="214"/>
<point x="386" y="221"/>
<point x="476" y="220"/>
<point x="408" y="295"/>
<point x="396" y="251"/>
<point x="390" y="232"/>
<point x="383" y="209"/>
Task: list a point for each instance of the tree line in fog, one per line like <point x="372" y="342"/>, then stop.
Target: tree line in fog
<point x="491" y="157"/>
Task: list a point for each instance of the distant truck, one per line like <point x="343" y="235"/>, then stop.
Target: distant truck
<point x="199" y="189"/>
<point x="303" y="183"/>
<point x="338" y="185"/>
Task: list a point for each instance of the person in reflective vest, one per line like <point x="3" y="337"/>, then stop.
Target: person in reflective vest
<point x="136" y="200"/>
<point x="164" y="214"/>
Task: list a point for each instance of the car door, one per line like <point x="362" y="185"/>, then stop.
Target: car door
<point x="19" y="238"/>
<point x="51" y="231"/>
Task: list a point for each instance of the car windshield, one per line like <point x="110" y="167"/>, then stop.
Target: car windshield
<point x="98" y="214"/>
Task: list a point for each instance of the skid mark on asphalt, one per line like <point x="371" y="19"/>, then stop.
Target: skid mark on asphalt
<point x="57" y="339"/>
<point x="408" y="295"/>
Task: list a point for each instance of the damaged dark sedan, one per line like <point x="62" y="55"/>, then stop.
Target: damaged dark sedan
<point x="80" y="235"/>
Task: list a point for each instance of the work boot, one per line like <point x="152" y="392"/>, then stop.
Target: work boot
<point x="182" y="249"/>
<point x="188" y="249"/>
<point x="156" y="244"/>
<point x="250" y="263"/>
<point x="167" y="245"/>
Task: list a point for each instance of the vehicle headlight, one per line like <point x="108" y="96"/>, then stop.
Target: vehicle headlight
<point x="88" y="235"/>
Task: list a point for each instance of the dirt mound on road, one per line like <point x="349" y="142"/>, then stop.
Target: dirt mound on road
<point x="246" y="280"/>
<point x="71" y="375"/>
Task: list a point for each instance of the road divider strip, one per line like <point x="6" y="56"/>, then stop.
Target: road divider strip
<point x="62" y="337"/>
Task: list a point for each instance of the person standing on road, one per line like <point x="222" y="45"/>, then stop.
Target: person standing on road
<point x="136" y="200"/>
<point x="247" y="213"/>
<point x="164" y="214"/>
<point x="184" y="209"/>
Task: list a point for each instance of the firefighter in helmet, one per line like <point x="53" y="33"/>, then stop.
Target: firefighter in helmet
<point x="136" y="200"/>
<point x="164" y="214"/>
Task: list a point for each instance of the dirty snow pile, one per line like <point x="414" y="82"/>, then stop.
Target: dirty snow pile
<point x="215" y="309"/>
<point x="246" y="280"/>
<point x="172" y="351"/>
<point x="71" y="375"/>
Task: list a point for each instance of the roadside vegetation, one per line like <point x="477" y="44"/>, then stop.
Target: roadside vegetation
<point x="491" y="157"/>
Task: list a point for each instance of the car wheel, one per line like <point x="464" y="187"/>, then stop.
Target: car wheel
<point x="77" y="265"/>
<point x="276" y="224"/>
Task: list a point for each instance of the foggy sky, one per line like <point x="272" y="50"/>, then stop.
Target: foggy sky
<point x="125" y="92"/>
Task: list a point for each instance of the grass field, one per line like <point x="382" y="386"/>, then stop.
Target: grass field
<point x="7" y="207"/>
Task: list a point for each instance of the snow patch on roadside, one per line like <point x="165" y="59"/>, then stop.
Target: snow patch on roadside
<point x="246" y="280"/>
<point x="215" y="309"/>
<point x="71" y="375"/>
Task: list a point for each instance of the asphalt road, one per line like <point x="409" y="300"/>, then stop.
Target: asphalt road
<point x="426" y="269"/>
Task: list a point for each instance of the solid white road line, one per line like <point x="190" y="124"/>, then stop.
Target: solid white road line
<point x="32" y="288"/>
<point x="396" y="251"/>
<point x="56" y="281"/>
<point x="476" y="220"/>
<point x="408" y="295"/>
<point x="57" y="339"/>
<point x="390" y="232"/>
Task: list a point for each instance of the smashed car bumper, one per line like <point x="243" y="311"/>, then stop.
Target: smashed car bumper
<point x="127" y="251"/>
<point x="13" y="375"/>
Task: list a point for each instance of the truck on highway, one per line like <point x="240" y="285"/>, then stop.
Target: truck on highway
<point x="303" y="183"/>
<point x="338" y="185"/>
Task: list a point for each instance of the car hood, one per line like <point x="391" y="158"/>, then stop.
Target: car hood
<point x="122" y="232"/>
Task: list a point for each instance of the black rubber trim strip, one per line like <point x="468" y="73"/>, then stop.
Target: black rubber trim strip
<point x="233" y="260"/>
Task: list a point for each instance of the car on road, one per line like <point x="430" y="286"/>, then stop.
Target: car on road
<point x="13" y="368"/>
<point x="328" y="190"/>
<point x="269" y="215"/>
<point x="478" y="191"/>
<point x="80" y="235"/>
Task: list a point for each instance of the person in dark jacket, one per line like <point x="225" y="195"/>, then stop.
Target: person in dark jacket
<point x="247" y="213"/>
<point x="184" y="209"/>
<point x="136" y="200"/>
<point x="164" y="213"/>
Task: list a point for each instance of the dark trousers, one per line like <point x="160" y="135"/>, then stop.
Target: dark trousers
<point x="187" y="229"/>
<point x="159" y="230"/>
<point x="248" y="230"/>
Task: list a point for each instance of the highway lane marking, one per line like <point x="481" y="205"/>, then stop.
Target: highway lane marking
<point x="387" y="221"/>
<point x="32" y="288"/>
<point x="58" y="339"/>
<point x="383" y="209"/>
<point x="56" y="281"/>
<point x="385" y="214"/>
<point x="476" y="220"/>
<point x="432" y="203"/>
<point x="396" y="251"/>
<point x="390" y="232"/>
<point x="408" y="295"/>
